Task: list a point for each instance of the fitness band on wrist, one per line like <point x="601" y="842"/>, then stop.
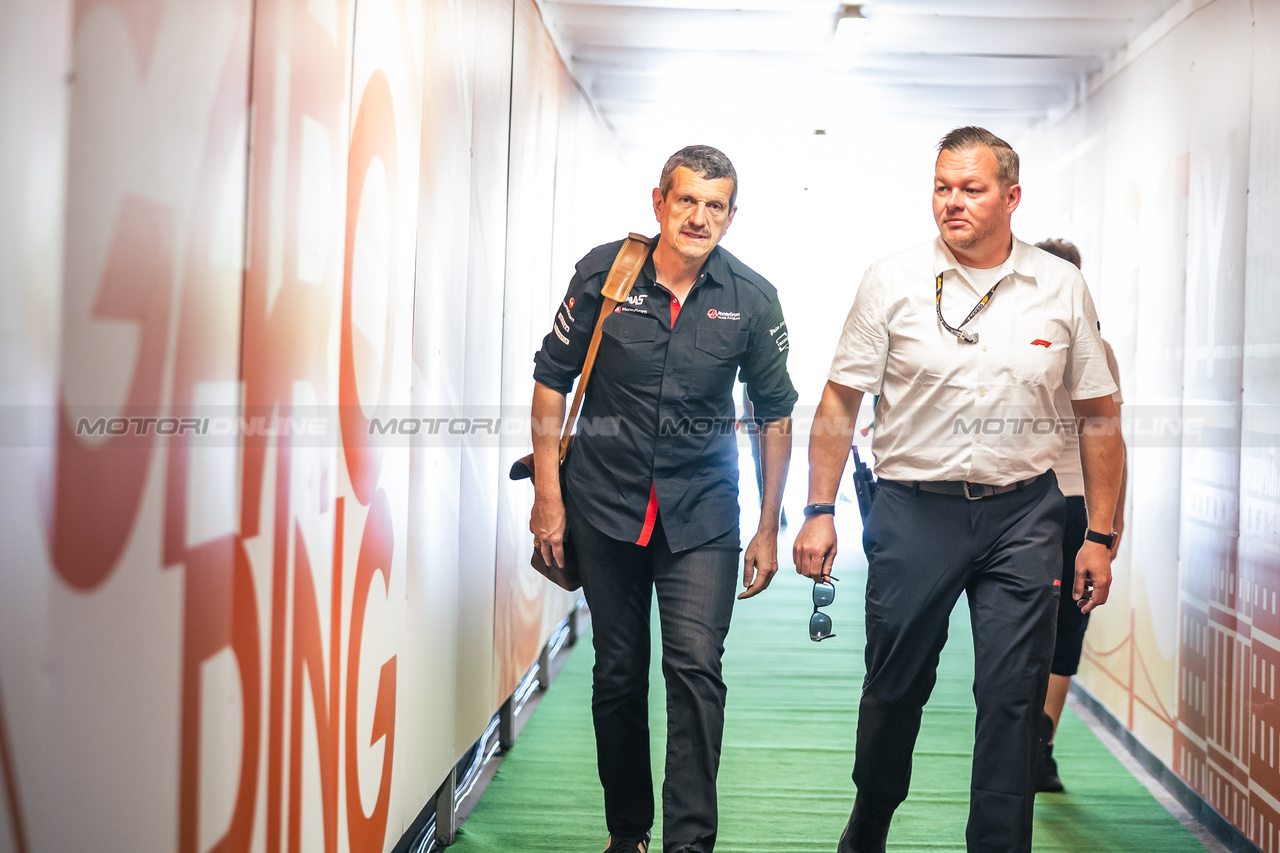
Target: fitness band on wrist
<point x="1107" y="539"/>
<point x="822" y="508"/>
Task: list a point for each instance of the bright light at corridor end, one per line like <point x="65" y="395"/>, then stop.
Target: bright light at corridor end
<point x="850" y="28"/>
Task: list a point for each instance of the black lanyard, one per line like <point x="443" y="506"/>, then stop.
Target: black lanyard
<point x="967" y="337"/>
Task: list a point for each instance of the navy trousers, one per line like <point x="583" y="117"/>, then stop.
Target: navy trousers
<point x="1071" y="622"/>
<point x="695" y="590"/>
<point x="924" y="550"/>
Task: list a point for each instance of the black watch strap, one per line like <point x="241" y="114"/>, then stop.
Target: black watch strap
<point x="819" y="509"/>
<point x="1107" y="539"/>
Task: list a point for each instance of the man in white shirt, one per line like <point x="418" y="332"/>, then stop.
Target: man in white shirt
<point x="966" y="340"/>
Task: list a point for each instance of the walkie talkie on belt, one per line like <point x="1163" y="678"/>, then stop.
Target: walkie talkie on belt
<point x="863" y="484"/>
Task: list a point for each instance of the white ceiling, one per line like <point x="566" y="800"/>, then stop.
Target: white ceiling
<point x="761" y="64"/>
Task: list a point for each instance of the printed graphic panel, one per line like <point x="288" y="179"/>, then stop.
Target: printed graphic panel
<point x="520" y="593"/>
<point x="1189" y="156"/>
<point x="240" y="239"/>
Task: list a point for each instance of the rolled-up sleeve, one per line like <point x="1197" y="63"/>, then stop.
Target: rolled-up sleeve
<point x="764" y="371"/>
<point x="862" y="352"/>
<point x="564" y="349"/>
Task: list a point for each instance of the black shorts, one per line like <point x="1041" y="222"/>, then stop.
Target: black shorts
<point x="1071" y="622"/>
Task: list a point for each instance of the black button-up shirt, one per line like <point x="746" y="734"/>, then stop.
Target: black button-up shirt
<point x="659" y="407"/>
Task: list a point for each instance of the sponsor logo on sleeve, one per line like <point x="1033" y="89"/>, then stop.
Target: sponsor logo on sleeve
<point x="781" y="337"/>
<point x="560" y="335"/>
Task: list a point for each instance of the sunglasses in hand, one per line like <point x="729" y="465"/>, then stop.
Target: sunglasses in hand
<point x="824" y="592"/>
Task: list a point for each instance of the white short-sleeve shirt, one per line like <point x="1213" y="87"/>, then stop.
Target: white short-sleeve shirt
<point x="1070" y="474"/>
<point x="983" y="412"/>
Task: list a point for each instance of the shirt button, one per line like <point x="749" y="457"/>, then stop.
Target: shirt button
<point x="984" y="347"/>
<point x="978" y="439"/>
<point x="982" y="392"/>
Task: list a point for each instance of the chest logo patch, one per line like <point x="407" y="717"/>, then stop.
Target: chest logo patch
<point x="1041" y="342"/>
<point x="723" y="315"/>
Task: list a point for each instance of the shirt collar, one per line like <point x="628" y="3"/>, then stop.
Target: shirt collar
<point x="715" y="268"/>
<point x="1021" y="260"/>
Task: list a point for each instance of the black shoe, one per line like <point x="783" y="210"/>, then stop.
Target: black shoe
<point x="1047" y="779"/>
<point x="867" y="830"/>
<point x="629" y="845"/>
<point x="1045" y="772"/>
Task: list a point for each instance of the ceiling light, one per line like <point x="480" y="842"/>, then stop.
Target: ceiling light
<point x="850" y="29"/>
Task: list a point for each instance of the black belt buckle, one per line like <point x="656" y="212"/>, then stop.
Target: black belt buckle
<point x="984" y="491"/>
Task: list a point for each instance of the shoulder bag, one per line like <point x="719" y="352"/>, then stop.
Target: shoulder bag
<point x="622" y="275"/>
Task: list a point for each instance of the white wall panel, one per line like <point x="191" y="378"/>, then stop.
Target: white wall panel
<point x="35" y="57"/>
<point x="1161" y="175"/>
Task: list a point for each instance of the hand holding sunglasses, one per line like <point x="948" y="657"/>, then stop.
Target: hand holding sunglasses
<point x="824" y="592"/>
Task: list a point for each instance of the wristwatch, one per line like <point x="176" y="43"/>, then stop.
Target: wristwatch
<point x="825" y="508"/>
<point x="1105" y="539"/>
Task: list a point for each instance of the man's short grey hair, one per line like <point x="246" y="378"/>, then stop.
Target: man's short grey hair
<point x="703" y="160"/>
<point x="1063" y="249"/>
<point x="968" y="138"/>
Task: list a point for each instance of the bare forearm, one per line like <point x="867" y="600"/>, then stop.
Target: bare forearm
<point x="548" y="420"/>
<point x="1101" y="460"/>
<point x="1118" y="523"/>
<point x="830" y="440"/>
<point x="775" y="458"/>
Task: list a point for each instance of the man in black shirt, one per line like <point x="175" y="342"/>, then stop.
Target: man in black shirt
<point x="655" y="496"/>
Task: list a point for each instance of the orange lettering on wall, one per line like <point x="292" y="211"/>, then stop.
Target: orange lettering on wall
<point x="207" y="344"/>
<point x="98" y="487"/>
<point x="308" y="654"/>
<point x="368" y="831"/>
<point x="374" y="136"/>
<point x="287" y="321"/>
<point x="143" y="18"/>
<point x="220" y="611"/>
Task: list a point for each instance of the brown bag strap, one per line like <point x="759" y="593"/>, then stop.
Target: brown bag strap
<point x="622" y="275"/>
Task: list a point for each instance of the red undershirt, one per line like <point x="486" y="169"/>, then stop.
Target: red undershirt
<point x="651" y="512"/>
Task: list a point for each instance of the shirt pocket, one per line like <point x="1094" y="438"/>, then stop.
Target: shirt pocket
<point x="717" y="355"/>
<point x="722" y="344"/>
<point x="629" y="351"/>
<point x="628" y="328"/>
<point x="1040" y="358"/>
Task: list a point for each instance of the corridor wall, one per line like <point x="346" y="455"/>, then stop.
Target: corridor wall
<point x="274" y="274"/>
<point x="1165" y="175"/>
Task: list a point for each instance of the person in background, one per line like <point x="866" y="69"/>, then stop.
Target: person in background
<point x="1071" y="621"/>
<point x="967" y="339"/>
<point x="654" y="504"/>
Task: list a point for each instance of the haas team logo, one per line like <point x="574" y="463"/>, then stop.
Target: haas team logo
<point x="713" y="313"/>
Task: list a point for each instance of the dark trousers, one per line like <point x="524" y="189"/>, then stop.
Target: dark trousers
<point x="1071" y="622"/>
<point x="923" y="550"/>
<point x="695" y="590"/>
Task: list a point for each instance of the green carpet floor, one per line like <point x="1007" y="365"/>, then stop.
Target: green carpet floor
<point x="788" y="750"/>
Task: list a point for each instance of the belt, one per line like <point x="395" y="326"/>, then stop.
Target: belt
<point x="963" y="488"/>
